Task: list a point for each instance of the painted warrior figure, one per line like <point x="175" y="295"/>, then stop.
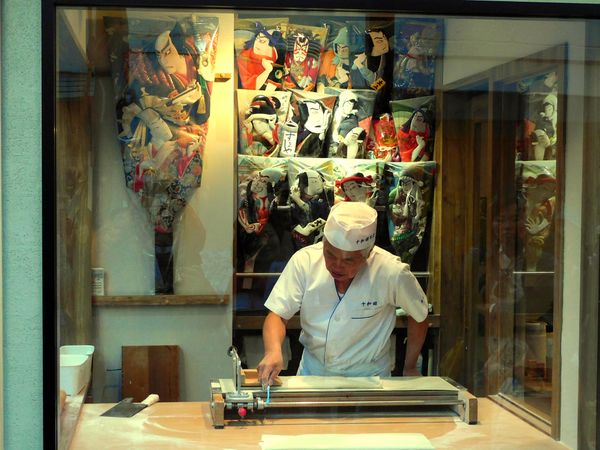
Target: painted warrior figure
<point x="406" y="208"/>
<point x="259" y="63"/>
<point x="302" y="63"/>
<point x="163" y="116"/>
<point x="310" y="202"/>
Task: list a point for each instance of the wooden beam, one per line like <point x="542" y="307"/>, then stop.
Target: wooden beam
<point x="159" y="300"/>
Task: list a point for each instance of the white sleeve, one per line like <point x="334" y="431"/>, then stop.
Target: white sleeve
<point x="286" y="297"/>
<point x="408" y="294"/>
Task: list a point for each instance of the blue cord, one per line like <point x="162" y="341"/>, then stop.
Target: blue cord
<point x="268" y="400"/>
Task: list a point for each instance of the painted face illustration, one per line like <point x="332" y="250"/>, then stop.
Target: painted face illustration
<point x="259" y="185"/>
<point x="407" y="184"/>
<point x="418" y="122"/>
<point x="380" y="43"/>
<point x="355" y="191"/>
<point x="263" y="126"/>
<point x="168" y="56"/>
<point x="316" y="122"/>
<point x="343" y="51"/>
<point x="348" y="106"/>
<point x="300" y="48"/>
<point x="261" y="45"/>
<point x="315" y="184"/>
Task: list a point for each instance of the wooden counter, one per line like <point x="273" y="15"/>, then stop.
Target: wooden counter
<point x="188" y="425"/>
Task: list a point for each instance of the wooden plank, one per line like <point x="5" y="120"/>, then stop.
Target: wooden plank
<point x="453" y="197"/>
<point x="152" y="369"/>
<point x="468" y="410"/>
<point x="217" y="410"/>
<point x="250" y="378"/>
<point x="159" y="300"/>
<point x="73" y="144"/>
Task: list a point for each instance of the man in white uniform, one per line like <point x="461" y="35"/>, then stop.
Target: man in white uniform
<point x="347" y="291"/>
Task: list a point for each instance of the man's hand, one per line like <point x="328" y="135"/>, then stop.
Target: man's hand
<point x="273" y="336"/>
<point x="269" y="367"/>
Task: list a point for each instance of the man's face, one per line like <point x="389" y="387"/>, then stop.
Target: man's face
<point x="315" y="123"/>
<point x="343" y="51"/>
<point x="418" y="122"/>
<point x="342" y="265"/>
<point x="263" y="126"/>
<point x="259" y="185"/>
<point x="548" y="109"/>
<point x="168" y="56"/>
<point x="407" y="184"/>
<point x="348" y="106"/>
<point x="261" y="45"/>
<point x="315" y="184"/>
<point x="355" y="191"/>
<point x="380" y="43"/>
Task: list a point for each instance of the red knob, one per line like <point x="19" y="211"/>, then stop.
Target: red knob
<point x="242" y="412"/>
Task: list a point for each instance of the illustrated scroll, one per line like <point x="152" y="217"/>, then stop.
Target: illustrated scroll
<point x="163" y="71"/>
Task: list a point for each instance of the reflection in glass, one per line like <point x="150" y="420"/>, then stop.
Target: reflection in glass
<point x="534" y="264"/>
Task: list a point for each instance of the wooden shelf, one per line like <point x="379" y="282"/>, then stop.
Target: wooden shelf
<point x="250" y="323"/>
<point x="158" y="300"/>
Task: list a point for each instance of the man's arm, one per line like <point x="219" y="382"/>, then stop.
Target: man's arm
<point x="416" y="333"/>
<point x="273" y="336"/>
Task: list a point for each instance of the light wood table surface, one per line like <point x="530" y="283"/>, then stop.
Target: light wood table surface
<point x="187" y="425"/>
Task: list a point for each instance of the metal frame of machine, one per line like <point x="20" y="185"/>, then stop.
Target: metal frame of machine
<point x="231" y="400"/>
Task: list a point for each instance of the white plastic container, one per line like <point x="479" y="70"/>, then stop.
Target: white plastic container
<point x="75" y="372"/>
<point x="77" y="350"/>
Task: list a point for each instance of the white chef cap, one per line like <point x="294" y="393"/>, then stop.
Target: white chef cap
<point x="351" y="226"/>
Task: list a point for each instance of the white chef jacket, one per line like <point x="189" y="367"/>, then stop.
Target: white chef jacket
<point x="347" y="336"/>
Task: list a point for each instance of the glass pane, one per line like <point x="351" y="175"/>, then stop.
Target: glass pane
<point x="198" y="150"/>
<point x="536" y="205"/>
